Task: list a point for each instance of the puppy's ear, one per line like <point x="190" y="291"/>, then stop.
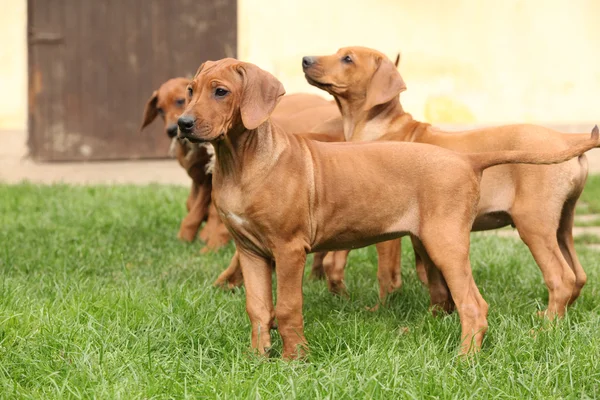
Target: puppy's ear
<point x="386" y="84"/>
<point x="205" y="64"/>
<point x="150" y="111"/>
<point x="260" y="95"/>
<point x="200" y="68"/>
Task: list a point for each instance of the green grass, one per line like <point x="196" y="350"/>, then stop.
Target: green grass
<point x="589" y="202"/>
<point x="591" y="222"/>
<point x="587" y="238"/>
<point x="98" y="299"/>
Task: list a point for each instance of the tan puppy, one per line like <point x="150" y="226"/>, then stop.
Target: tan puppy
<point x="283" y="196"/>
<point x="538" y="201"/>
<point x="295" y="113"/>
<point x="168" y="102"/>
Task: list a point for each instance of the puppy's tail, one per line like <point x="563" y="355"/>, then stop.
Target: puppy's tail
<point x="481" y="161"/>
<point x="575" y="138"/>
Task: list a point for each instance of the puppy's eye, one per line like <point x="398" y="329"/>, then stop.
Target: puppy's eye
<point x="190" y="92"/>
<point x="160" y="111"/>
<point x="220" y="92"/>
<point x="180" y="102"/>
<point x="347" y="59"/>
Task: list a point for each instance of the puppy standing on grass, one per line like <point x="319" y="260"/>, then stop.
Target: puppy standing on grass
<point x="538" y="201"/>
<point x="299" y="112"/>
<point x="283" y="196"/>
<point x="168" y="101"/>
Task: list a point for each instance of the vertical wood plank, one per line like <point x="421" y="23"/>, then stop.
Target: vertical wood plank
<point x="87" y="91"/>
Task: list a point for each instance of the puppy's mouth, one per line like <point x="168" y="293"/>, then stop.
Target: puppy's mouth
<point x="317" y="83"/>
<point x="195" y="139"/>
<point x="321" y="84"/>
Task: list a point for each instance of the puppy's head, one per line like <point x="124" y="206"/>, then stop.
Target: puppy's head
<point x="228" y="95"/>
<point x="355" y="74"/>
<point x="168" y="102"/>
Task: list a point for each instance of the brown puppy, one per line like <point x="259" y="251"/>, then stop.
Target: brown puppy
<point x="295" y="113"/>
<point x="168" y="102"/>
<point x="538" y="201"/>
<point x="283" y="196"/>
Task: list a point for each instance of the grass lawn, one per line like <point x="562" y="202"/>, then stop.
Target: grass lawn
<point x="589" y="202"/>
<point x="99" y="299"/>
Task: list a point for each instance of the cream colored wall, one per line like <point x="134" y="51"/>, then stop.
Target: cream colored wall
<point x="480" y="61"/>
<point x="13" y="64"/>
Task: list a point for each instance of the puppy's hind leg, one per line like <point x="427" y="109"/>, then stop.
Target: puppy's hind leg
<point x="567" y="247"/>
<point x="334" y="264"/>
<point x="388" y="269"/>
<point x="232" y="276"/>
<point x="421" y="271"/>
<point x="540" y="235"/>
<point x="450" y="253"/>
<point x="318" y="272"/>
<point x="439" y="293"/>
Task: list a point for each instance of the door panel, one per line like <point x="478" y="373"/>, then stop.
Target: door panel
<point x="93" y="64"/>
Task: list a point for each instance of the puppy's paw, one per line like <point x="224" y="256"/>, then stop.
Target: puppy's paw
<point x="338" y="288"/>
<point x="186" y="236"/>
<point x="317" y="274"/>
<point x="373" y="309"/>
<point x="229" y="282"/>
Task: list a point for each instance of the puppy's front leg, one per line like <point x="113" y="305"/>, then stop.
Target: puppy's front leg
<point x="218" y="235"/>
<point x="198" y="212"/>
<point x="191" y="196"/>
<point x="259" y="298"/>
<point x="290" y="270"/>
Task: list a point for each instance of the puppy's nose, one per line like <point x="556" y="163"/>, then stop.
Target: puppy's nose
<point x="172" y="130"/>
<point x="307" y="61"/>
<point x="186" y="123"/>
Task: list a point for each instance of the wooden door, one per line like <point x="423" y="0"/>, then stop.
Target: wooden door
<point x="94" y="63"/>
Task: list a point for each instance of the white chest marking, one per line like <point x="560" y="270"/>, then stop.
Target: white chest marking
<point x="236" y="219"/>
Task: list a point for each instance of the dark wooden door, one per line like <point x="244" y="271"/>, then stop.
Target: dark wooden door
<point x="94" y="63"/>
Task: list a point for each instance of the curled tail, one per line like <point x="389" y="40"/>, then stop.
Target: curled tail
<point x="485" y="160"/>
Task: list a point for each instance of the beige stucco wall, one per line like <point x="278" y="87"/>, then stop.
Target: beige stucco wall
<point x="481" y="61"/>
<point x="466" y="61"/>
<point x="13" y="64"/>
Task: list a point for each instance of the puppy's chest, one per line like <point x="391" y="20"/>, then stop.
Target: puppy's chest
<point x="244" y="225"/>
<point x="234" y="211"/>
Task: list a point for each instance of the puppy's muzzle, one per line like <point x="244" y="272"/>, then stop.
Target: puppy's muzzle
<point x="172" y="130"/>
<point x="186" y="124"/>
<point x="307" y="62"/>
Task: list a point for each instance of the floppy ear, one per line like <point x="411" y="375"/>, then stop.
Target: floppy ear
<point x="200" y="68"/>
<point x="260" y="95"/>
<point x="150" y="112"/>
<point x="205" y="64"/>
<point x="386" y="84"/>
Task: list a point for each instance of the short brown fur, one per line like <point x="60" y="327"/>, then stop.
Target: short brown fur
<point x="283" y="196"/>
<point x="538" y="200"/>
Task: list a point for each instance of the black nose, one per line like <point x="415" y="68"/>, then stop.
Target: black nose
<point x="186" y="123"/>
<point x="307" y="61"/>
<point x="172" y="130"/>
